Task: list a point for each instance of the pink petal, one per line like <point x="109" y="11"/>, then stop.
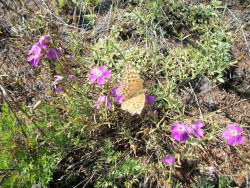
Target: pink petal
<point x="198" y="133"/>
<point x="226" y="134"/>
<point x="239" y="129"/>
<point x="100" y="81"/>
<point x="54" y="53"/>
<point x="35" y="49"/>
<point x="43" y="41"/>
<point x="173" y="127"/>
<point x="107" y="74"/>
<point x="119" y="98"/>
<point x="108" y="105"/>
<point x="240" y="139"/>
<point x="93" y="78"/>
<point x="69" y="57"/>
<point x="150" y="99"/>
<point x="102" y="99"/>
<point x="169" y="160"/>
<point x="115" y="92"/>
<point x="102" y="68"/>
<point x="30" y="58"/>
<point x="230" y="127"/>
<point x="94" y="71"/>
<point x="231" y="141"/>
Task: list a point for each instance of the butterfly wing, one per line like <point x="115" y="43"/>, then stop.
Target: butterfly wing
<point x="135" y="104"/>
<point x="131" y="83"/>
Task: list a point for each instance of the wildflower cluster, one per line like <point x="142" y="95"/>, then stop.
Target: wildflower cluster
<point x="41" y="48"/>
<point x="35" y="53"/>
<point x="181" y="131"/>
<point x="99" y="75"/>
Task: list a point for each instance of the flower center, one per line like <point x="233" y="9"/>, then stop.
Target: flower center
<point x="234" y="132"/>
<point x="99" y="73"/>
<point x="182" y="129"/>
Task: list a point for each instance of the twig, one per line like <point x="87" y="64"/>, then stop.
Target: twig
<point x="4" y="93"/>
<point x="60" y="20"/>
<point x="196" y="99"/>
<point x="242" y="30"/>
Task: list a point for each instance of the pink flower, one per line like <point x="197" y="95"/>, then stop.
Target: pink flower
<point x="35" y="53"/>
<point x="69" y="57"/>
<point x="150" y="99"/>
<point x="196" y="130"/>
<point x="118" y="98"/>
<point x="155" y="112"/>
<point x="43" y="41"/>
<point x="99" y="74"/>
<point x="233" y="135"/>
<point x="180" y="131"/>
<point x="54" y="53"/>
<point x="169" y="160"/>
<point x="57" y="79"/>
<point x="72" y="77"/>
<point x="36" y="49"/>
<point x="34" y="59"/>
<point x="59" y="90"/>
<point x="100" y="101"/>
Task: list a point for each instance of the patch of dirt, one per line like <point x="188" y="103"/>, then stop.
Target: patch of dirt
<point x="227" y="102"/>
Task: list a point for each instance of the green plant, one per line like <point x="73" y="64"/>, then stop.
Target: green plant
<point x="121" y="172"/>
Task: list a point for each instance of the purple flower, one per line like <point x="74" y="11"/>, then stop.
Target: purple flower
<point x="54" y="53"/>
<point x="155" y="112"/>
<point x="35" y="53"/>
<point x="115" y="92"/>
<point x="118" y="98"/>
<point x="36" y="49"/>
<point x="196" y="130"/>
<point x="99" y="74"/>
<point x="69" y="57"/>
<point x="34" y="59"/>
<point x="72" y="77"/>
<point x="100" y="100"/>
<point x="233" y="135"/>
<point x="57" y="79"/>
<point x="180" y="131"/>
<point x="169" y="160"/>
<point x="59" y="90"/>
<point x="43" y="41"/>
<point x="150" y="99"/>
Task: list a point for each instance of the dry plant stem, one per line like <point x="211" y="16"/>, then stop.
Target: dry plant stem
<point x="60" y="20"/>
<point x="2" y="88"/>
<point x="196" y="99"/>
<point x="242" y="30"/>
<point x="20" y="123"/>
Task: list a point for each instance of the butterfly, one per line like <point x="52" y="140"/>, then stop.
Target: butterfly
<point x="132" y="89"/>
